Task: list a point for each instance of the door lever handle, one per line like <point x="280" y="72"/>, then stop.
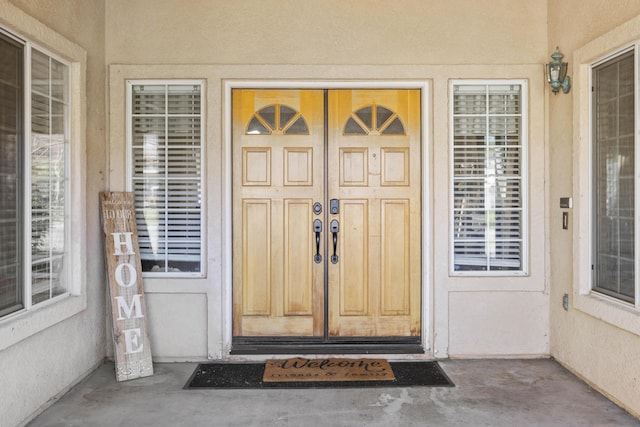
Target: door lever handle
<point x="335" y="227"/>
<point x="317" y="228"/>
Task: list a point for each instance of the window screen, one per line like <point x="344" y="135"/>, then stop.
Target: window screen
<point x="613" y="178"/>
<point x="487" y="215"/>
<point x="166" y="171"/>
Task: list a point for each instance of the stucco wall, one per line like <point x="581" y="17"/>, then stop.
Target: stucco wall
<point x="47" y="363"/>
<point x="598" y="351"/>
<point x="264" y="40"/>
<point x="326" y="32"/>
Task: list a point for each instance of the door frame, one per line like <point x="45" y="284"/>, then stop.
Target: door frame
<point x="427" y="291"/>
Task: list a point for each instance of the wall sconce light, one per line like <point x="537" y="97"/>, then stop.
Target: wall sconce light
<point x="557" y="73"/>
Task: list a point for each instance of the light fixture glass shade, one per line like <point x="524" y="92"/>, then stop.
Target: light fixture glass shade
<point x="557" y="73"/>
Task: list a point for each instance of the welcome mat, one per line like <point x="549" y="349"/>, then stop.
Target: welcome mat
<point x="250" y="375"/>
<point x="299" y="369"/>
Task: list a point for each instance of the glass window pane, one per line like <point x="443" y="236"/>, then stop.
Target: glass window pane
<point x="166" y="154"/>
<point x="366" y="115"/>
<point x="49" y="134"/>
<point x="504" y="99"/>
<point x="394" y="128"/>
<point x="59" y="82"/>
<point x="257" y="128"/>
<point x="269" y="115"/>
<point x="40" y="82"/>
<point x="58" y="118"/>
<point x="487" y="172"/>
<point x="149" y="132"/>
<point x="353" y="128"/>
<point x="627" y="277"/>
<point x="286" y="114"/>
<point x="183" y="131"/>
<point x="183" y="99"/>
<point x="40" y="115"/>
<point x="184" y="161"/>
<point x="626" y="119"/>
<point x="46" y="279"/>
<point x="614" y="178"/>
<point x="148" y="99"/>
<point x="11" y="171"/>
<point x="299" y="127"/>
<point x="470" y="99"/>
<point x="382" y="115"/>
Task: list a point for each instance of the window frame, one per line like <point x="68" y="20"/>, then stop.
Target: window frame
<point x="21" y="324"/>
<point x="28" y="212"/>
<point x="19" y="217"/>
<point x="524" y="178"/>
<point x="615" y="312"/>
<point x="26" y="209"/>
<point x="594" y="190"/>
<point x="129" y="164"/>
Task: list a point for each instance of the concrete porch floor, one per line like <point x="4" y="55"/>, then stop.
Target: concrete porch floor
<point x="487" y="393"/>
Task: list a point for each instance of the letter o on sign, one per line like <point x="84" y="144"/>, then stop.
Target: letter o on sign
<point x="133" y="276"/>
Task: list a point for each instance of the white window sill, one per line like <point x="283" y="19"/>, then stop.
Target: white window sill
<point x="609" y="310"/>
<point x="19" y="326"/>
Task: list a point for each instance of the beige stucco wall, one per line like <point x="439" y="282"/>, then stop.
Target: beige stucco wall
<point x="326" y="32"/>
<point x="39" y="367"/>
<point x="514" y="308"/>
<point x="603" y="354"/>
<point x="335" y="41"/>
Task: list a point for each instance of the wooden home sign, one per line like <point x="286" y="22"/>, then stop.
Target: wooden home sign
<point x="130" y="339"/>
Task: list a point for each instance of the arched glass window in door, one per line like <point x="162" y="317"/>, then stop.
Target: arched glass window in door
<point x="277" y="119"/>
<point x="374" y="120"/>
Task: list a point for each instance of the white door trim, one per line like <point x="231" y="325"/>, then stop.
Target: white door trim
<point x="227" y="250"/>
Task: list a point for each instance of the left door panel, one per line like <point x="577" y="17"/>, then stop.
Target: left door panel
<point x="278" y="173"/>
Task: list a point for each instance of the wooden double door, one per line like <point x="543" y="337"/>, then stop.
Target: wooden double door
<point x="326" y="214"/>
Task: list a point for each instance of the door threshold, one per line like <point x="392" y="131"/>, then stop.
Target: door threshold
<point x="354" y="346"/>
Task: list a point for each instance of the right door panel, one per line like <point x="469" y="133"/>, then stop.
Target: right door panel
<point x="374" y="171"/>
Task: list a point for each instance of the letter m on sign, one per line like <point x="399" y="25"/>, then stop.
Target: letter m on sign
<point x="128" y="311"/>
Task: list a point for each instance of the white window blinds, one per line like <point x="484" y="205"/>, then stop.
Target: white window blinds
<point x="166" y="175"/>
<point x="488" y="149"/>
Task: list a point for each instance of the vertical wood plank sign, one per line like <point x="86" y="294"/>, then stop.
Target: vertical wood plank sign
<point x="128" y="310"/>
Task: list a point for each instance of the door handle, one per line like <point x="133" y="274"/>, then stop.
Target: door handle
<point x="317" y="228"/>
<point x="335" y="227"/>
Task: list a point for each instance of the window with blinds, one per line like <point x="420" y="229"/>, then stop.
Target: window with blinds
<point x="165" y="166"/>
<point x="488" y="147"/>
<point x="34" y="182"/>
<point x="49" y="176"/>
<point x="614" y="179"/>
